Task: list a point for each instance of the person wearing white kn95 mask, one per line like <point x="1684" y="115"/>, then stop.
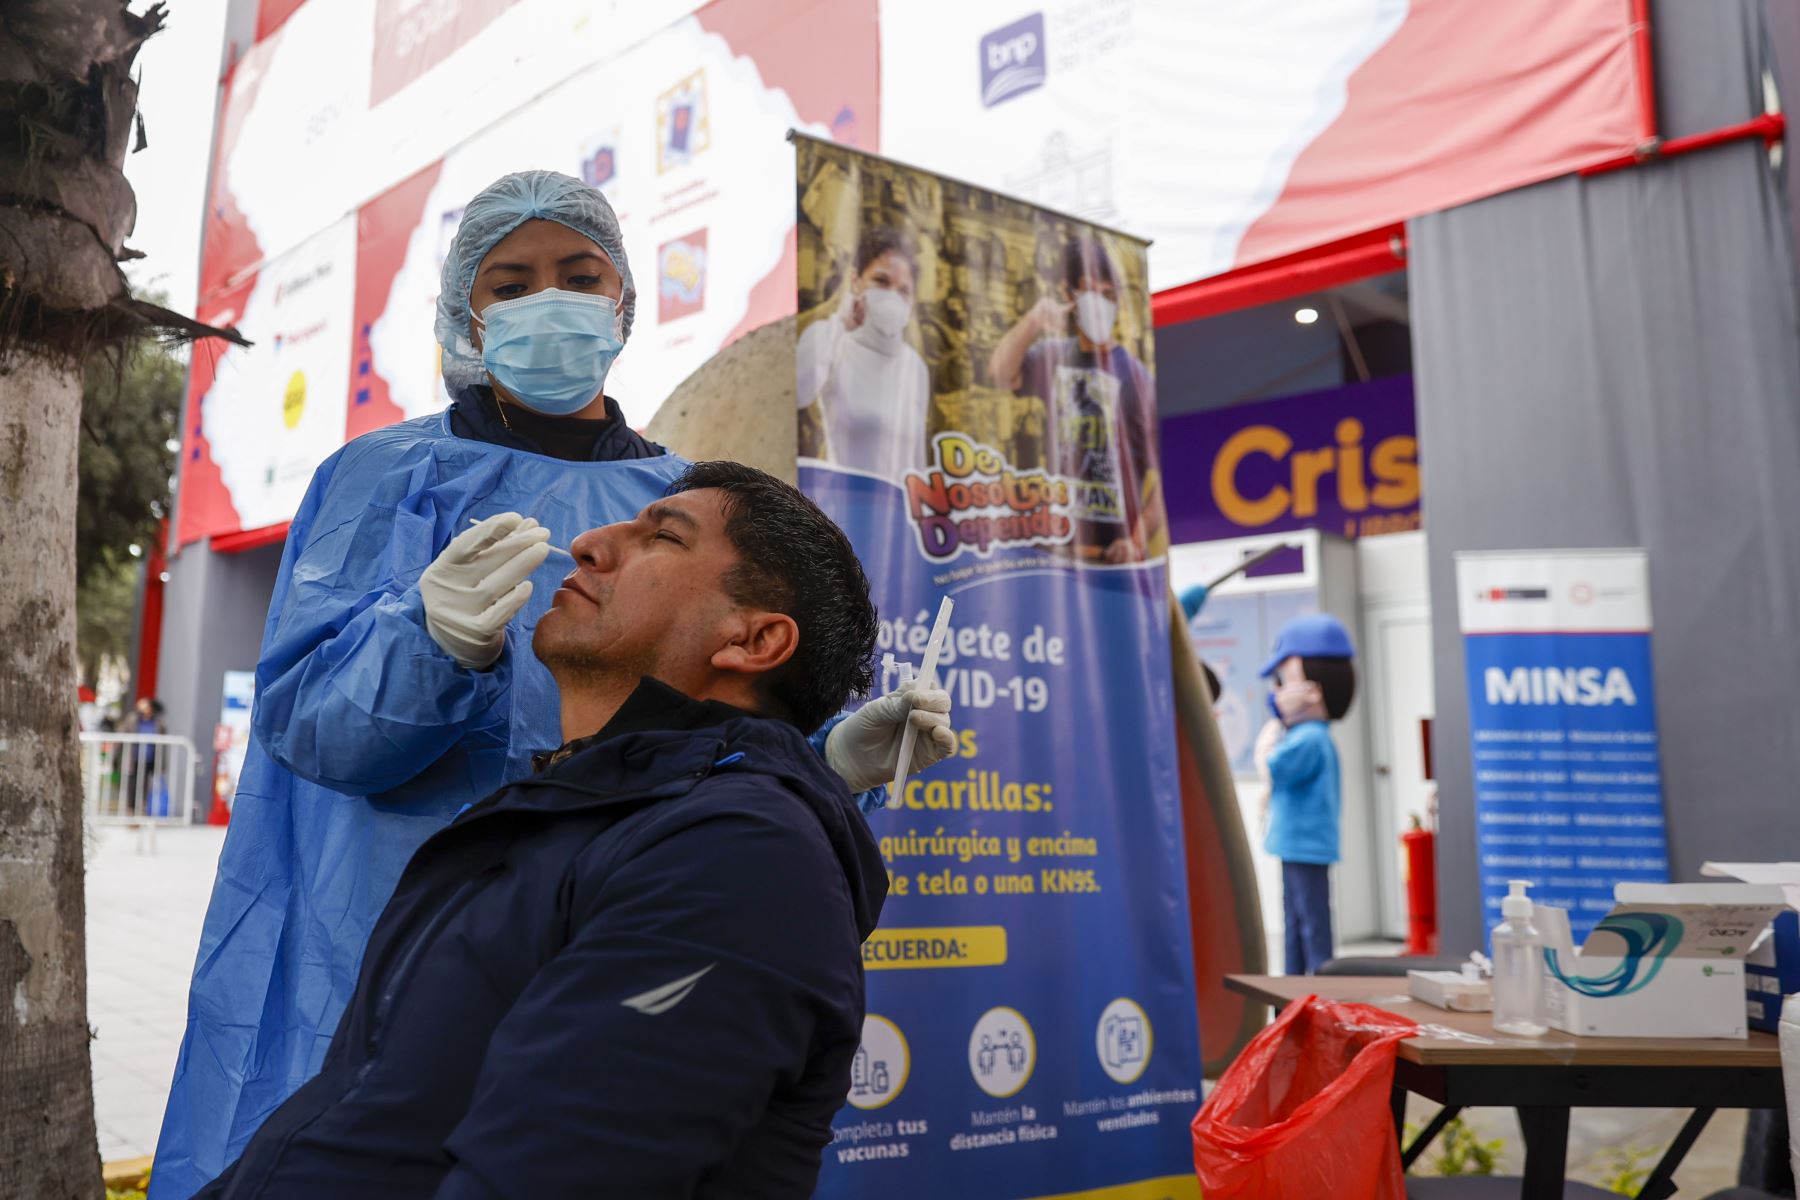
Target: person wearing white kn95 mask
<point x="856" y="370"/>
<point x="1099" y="404"/>
<point x="396" y="684"/>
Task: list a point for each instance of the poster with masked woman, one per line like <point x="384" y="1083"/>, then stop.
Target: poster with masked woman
<point x="977" y="410"/>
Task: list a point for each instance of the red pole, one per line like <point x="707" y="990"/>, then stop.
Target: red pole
<point x="1770" y="127"/>
<point x="150" y="631"/>
<point x="1646" y="74"/>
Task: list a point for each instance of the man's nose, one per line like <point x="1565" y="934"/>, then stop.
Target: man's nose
<point x="597" y="549"/>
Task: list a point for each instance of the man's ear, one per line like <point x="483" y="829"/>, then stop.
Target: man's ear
<point x="762" y="642"/>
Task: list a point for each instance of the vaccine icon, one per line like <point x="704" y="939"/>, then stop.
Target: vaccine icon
<point x="881" y="1064"/>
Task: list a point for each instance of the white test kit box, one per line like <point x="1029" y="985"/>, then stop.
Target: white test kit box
<point x="1667" y="961"/>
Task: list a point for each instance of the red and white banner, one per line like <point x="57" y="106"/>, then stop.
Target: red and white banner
<point x="1232" y="132"/>
<point x="377" y="123"/>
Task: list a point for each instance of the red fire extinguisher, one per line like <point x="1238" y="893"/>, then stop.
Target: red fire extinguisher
<point x="1419" y="846"/>
<point x="220" y="812"/>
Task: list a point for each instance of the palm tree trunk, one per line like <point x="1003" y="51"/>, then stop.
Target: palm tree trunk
<point x="47" y="1139"/>
<point x="68" y="113"/>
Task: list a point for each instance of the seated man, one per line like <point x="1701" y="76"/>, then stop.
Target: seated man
<point x="638" y="971"/>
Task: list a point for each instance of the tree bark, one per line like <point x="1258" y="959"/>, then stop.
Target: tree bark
<point x="47" y="1140"/>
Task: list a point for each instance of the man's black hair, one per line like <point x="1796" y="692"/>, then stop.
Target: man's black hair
<point x="1336" y="678"/>
<point x="1085" y="256"/>
<point x="793" y="559"/>
<point x="882" y="240"/>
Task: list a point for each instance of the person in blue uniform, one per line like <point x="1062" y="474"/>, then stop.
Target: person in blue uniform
<point x="396" y="685"/>
<point x="1313" y="676"/>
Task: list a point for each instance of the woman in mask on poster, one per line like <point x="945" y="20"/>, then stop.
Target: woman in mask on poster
<point x="396" y="684"/>
<point x="855" y="371"/>
<point x="1099" y="404"/>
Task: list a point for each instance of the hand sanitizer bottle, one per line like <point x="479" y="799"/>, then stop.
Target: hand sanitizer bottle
<point x="1518" y="967"/>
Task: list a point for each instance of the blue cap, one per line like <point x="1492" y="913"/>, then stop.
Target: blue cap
<point x="1316" y="635"/>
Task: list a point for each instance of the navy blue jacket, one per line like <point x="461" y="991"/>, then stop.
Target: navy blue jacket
<point x="637" y="973"/>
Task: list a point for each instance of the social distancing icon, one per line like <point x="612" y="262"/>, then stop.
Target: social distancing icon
<point x="1002" y="1052"/>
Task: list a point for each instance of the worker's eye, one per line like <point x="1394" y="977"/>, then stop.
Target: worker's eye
<point x="663" y="535"/>
<point x="508" y="290"/>
<point x="584" y="281"/>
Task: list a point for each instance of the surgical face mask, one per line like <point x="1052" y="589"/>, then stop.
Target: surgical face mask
<point x="886" y="311"/>
<point x="1094" y="316"/>
<point x="1297" y="701"/>
<point x="551" y="350"/>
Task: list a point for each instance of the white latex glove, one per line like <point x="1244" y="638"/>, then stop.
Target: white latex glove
<point x="1266" y="741"/>
<point x="480" y="581"/>
<point x="865" y="746"/>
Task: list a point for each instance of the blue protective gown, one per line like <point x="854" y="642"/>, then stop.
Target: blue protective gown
<point x="368" y="739"/>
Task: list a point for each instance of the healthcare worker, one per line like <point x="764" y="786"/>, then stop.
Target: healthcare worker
<point x="396" y="684"/>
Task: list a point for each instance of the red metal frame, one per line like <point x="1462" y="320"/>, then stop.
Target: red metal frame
<point x="248" y="539"/>
<point x="1646" y="70"/>
<point x="150" y="626"/>
<point x="1374" y="253"/>
<point x="1770" y="127"/>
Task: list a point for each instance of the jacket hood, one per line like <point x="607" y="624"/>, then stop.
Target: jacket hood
<point x="639" y="766"/>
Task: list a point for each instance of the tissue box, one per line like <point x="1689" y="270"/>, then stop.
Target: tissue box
<point x="1667" y="961"/>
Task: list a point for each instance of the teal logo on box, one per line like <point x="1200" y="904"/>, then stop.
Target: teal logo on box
<point x="1648" y="938"/>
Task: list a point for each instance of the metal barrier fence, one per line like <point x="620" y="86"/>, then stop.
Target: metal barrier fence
<point x="138" y="779"/>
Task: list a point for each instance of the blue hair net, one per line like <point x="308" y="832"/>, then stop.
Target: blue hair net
<point x="502" y="207"/>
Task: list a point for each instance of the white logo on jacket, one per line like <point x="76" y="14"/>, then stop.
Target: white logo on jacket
<point x="660" y="1000"/>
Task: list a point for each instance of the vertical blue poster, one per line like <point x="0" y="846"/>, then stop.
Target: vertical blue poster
<point x="1562" y="720"/>
<point x="976" y="408"/>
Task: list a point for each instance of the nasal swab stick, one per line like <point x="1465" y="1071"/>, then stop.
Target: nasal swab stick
<point x="556" y="549"/>
<point x="927" y="679"/>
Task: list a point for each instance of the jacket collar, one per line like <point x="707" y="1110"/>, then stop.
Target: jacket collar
<point x="661" y="744"/>
<point x="475" y="414"/>
<point x="653" y="705"/>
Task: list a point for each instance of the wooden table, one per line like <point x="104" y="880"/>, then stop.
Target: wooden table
<point x="1461" y="1062"/>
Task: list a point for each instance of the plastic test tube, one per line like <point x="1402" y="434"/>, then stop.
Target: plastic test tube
<point x="927" y="678"/>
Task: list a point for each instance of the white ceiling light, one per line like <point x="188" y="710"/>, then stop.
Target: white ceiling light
<point x="1306" y="316"/>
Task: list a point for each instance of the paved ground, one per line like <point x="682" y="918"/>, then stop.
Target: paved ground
<point x="144" y="914"/>
<point x="143" y="927"/>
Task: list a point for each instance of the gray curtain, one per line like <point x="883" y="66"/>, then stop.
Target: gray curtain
<point x="1615" y="361"/>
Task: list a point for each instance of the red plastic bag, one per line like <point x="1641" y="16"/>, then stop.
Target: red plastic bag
<point x="1304" y="1112"/>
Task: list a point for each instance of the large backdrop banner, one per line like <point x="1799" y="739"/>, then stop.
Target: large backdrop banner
<point x="977" y="410"/>
<point x="351" y="133"/>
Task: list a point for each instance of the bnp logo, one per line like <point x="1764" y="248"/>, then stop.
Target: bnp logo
<point x="1013" y="60"/>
